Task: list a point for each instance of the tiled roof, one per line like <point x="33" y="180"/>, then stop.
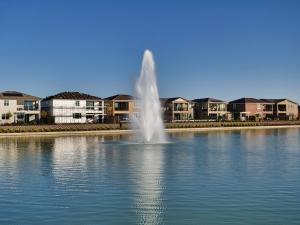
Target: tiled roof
<point x="167" y="100"/>
<point x="17" y="95"/>
<point x="72" y="95"/>
<point x="121" y="97"/>
<point x="269" y="100"/>
<point x="247" y="100"/>
<point x="207" y="100"/>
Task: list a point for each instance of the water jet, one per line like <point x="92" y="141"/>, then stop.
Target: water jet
<point x="149" y="121"/>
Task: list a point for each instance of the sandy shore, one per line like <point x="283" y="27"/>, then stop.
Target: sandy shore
<point x="119" y="132"/>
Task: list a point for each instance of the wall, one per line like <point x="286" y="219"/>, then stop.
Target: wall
<point x="12" y="108"/>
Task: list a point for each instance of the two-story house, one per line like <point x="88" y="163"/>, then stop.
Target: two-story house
<point x="250" y="109"/>
<point x="210" y="109"/>
<point x="72" y="107"/>
<point x="283" y="109"/>
<point x="177" y="109"/>
<point x="17" y="107"/>
<point x="120" y="108"/>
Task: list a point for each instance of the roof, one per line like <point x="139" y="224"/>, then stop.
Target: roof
<point x="199" y="100"/>
<point x="121" y="97"/>
<point x="17" y="95"/>
<point x="72" y="95"/>
<point x="247" y="100"/>
<point x="167" y="100"/>
<point x="276" y="100"/>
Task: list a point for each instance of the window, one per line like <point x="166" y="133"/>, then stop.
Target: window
<point x="90" y="105"/>
<point x="5" y="116"/>
<point x="122" y="117"/>
<point x="20" y="116"/>
<point x="77" y="115"/>
<point x="6" y="102"/>
<point x="222" y="107"/>
<point x="124" y="106"/>
<point x="77" y="103"/>
<point x="204" y="106"/>
<point x="282" y="107"/>
<point x="213" y="107"/>
<point x="180" y="106"/>
<point x="28" y="105"/>
<point x="268" y="108"/>
<point x="90" y="116"/>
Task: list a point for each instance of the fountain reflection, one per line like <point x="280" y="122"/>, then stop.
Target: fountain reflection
<point x="149" y="184"/>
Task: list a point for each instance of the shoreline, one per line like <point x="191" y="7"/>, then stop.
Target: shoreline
<point x="120" y="132"/>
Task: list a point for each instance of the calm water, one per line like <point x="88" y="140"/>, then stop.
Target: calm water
<point x="240" y="177"/>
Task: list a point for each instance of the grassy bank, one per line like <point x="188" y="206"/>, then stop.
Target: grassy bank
<point x="111" y="127"/>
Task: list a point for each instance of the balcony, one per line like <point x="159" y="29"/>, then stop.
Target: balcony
<point x="121" y="106"/>
<point x="180" y="107"/>
<point x="94" y="108"/>
<point x="282" y="108"/>
<point x="268" y="109"/>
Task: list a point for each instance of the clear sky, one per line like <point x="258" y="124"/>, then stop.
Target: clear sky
<point x="223" y="49"/>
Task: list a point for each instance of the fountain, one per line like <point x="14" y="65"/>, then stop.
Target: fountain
<point x="149" y="121"/>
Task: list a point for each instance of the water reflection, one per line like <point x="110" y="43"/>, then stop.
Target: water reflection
<point x="149" y="185"/>
<point x="95" y="179"/>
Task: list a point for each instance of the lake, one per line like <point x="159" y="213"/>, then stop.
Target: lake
<point x="221" y="177"/>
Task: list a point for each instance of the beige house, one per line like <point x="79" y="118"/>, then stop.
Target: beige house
<point x="283" y="109"/>
<point x="120" y="108"/>
<point x="210" y="109"/>
<point x="17" y="107"/>
<point x="177" y="109"/>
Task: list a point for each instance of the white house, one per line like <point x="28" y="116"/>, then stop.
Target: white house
<point x="17" y="107"/>
<point x="73" y="107"/>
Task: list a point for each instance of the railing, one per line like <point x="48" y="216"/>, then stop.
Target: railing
<point x="91" y="108"/>
<point x="94" y="108"/>
<point x="27" y="108"/>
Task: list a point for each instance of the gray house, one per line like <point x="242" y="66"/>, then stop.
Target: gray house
<point x="210" y="109"/>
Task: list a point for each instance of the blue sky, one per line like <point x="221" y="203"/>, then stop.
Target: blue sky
<point x="223" y="49"/>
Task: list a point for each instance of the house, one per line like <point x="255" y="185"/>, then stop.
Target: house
<point x="283" y="109"/>
<point x="250" y="109"/>
<point x="120" y="108"/>
<point x="177" y="109"/>
<point x="72" y="107"/>
<point x="17" y="107"/>
<point x="210" y="109"/>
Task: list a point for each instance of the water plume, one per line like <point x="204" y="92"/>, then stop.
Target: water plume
<point x="149" y="121"/>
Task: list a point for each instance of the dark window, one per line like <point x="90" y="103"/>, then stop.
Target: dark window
<point x="90" y="116"/>
<point x="6" y="102"/>
<point x="268" y="108"/>
<point x="28" y="105"/>
<point x="282" y="107"/>
<point x="122" y="117"/>
<point x="20" y="116"/>
<point x="77" y="115"/>
<point x="5" y="116"/>
<point x="77" y="103"/>
<point x="121" y="106"/>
